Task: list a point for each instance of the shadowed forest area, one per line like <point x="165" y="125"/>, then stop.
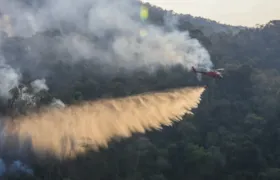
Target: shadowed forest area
<point x="234" y="133"/>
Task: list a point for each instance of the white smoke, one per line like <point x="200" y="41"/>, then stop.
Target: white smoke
<point x="16" y="167"/>
<point x="127" y="49"/>
<point x="39" y="85"/>
<point x="57" y="103"/>
<point x="107" y="34"/>
<point x="29" y="96"/>
<point x="171" y="21"/>
<point x="9" y="78"/>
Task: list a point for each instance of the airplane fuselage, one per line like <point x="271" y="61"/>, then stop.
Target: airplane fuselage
<point x="213" y="74"/>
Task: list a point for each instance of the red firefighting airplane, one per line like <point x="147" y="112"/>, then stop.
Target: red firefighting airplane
<point x="215" y="73"/>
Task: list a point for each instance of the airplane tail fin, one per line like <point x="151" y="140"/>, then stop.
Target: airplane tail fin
<point x="193" y="69"/>
<point x="198" y="74"/>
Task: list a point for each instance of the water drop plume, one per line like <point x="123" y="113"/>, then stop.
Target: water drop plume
<point x="64" y="132"/>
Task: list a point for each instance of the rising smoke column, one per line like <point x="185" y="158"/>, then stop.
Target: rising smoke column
<point x="104" y="32"/>
<point x="63" y="132"/>
<point x="9" y="79"/>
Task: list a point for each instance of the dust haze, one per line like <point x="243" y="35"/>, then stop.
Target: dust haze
<point x="64" y="132"/>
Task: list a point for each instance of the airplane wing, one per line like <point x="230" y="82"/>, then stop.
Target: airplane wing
<point x="220" y="69"/>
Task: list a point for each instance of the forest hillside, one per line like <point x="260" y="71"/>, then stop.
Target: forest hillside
<point x="233" y="134"/>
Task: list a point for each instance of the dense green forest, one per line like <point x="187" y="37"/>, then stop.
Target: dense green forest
<point x="233" y="134"/>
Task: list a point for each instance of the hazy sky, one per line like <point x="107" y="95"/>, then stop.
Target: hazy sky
<point x="235" y="12"/>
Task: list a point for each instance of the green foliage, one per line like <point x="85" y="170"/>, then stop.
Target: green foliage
<point x="233" y="135"/>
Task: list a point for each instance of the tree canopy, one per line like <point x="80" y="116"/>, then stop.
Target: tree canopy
<point x="233" y="135"/>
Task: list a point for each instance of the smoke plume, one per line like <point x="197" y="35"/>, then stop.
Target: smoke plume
<point x="64" y="132"/>
<point x="100" y="32"/>
<point x="50" y="47"/>
<point x="39" y="85"/>
<point x="9" y="79"/>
